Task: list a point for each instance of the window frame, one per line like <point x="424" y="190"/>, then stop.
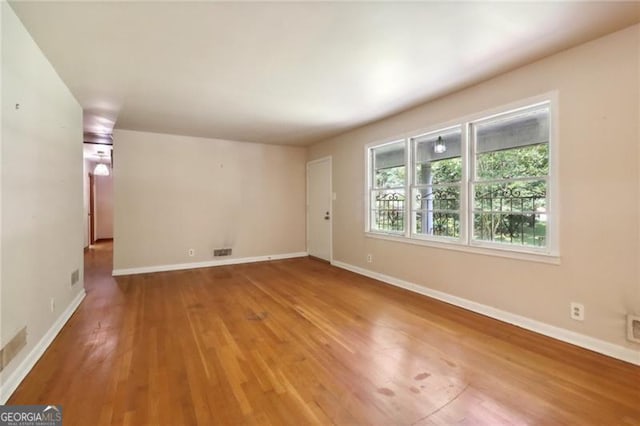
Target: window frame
<point x="371" y="187"/>
<point x="466" y="243"/>
<point x="412" y="144"/>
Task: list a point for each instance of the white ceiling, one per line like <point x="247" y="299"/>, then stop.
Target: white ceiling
<point x="291" y="73"/>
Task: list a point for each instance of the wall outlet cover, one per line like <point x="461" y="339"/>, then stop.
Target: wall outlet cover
<point x="577" y="311"/>
<point x="633" y="328"/>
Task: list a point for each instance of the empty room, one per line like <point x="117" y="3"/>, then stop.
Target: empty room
<point x="350" y="213"/>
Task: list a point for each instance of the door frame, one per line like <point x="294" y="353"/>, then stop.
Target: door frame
<point x="309" y="163"/>
<point x="92" y="212"/>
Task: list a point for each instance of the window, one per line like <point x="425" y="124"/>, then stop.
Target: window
<point x="388" y="187"/>
<point x="435" y="189"/>
<point x="483" y="183"/>
<point x="511" y="166"/>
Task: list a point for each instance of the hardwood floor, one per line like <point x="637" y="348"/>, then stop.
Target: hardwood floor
<point x="300" y="342"/>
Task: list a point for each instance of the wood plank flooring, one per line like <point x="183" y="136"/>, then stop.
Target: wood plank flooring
<point x="299" y="342"/>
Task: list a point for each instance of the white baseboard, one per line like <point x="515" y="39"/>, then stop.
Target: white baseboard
<point x="587" y="342"/>
<point x="14" y="380"/>
<point x="207" y="264"/>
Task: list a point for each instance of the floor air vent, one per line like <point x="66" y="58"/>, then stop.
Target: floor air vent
<point x="222" y="252"/>
<point x="12" y="348"/>
<point x="633" y="328"/>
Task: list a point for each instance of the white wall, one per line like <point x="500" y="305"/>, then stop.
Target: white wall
<point x="104" y="206"/>
<point x="599" y="139"/>
<point x="173" y="193"/>
<point x="41" y="227"/>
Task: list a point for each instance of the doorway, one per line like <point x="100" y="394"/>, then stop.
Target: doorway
<point x="319" y="209"/>
<point x="98" y="199"/>
<point x="92" y="202"/>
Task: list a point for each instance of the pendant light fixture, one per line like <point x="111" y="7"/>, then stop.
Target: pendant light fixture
<point x="101" y="170"/>
<point x="439" y="147"/>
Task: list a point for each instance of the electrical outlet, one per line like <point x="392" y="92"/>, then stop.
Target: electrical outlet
<point x="191" y="252"/>
<point x="53" y="304"/>
<point x="369" y="258"/>
<point x="577" y="311"/>
<point x="633" y="328"/>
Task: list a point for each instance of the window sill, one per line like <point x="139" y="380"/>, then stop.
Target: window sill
<point x="487" y="251"/>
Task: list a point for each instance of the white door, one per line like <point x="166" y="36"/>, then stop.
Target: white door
<point x="319" y="208"/>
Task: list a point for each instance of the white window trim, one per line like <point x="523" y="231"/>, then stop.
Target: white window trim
<point x="549" y="254"/>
